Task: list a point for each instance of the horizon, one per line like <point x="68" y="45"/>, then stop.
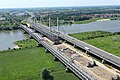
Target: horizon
<point x="54" y="3"/>
<point x="62" y="7"/>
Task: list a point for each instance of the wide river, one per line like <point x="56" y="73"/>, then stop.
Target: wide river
<point x="8" y="37"/>
<point x="111" y="25"/>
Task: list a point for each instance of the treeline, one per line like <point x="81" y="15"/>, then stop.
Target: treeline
<point x="93" y="34"/>
<point x="77" y="14"/>
<point x="8" y="26"/>
<point x="64" y="18"/>
<point x="12" y="22"/>
<point x="67" y="17"/>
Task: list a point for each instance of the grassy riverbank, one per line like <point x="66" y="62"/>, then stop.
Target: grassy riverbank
<point x="103" y="40"/>
<point x="86" y="21"/>
<point x="63" y="22"/>
<point x="26" y="43"/>
<point x="27" y="64"/>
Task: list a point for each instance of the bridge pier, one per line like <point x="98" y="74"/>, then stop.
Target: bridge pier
<point x="39" y="45"/>
<point x="42" y="35"/>
<point x="65" y="41"/>
<point x="30" y="37"/>
<point x="36" y="31"/>
<point x="56" y="59"/>
<point x="103" y="61"/>
<point x="75" y="46"/>
<point x="86" y="51"/>
<point x="46" y="51"/>
<point x="25" y="32"/>
<point x="67" y="69"/>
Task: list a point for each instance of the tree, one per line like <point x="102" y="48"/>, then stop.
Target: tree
<point x="45" y="74"/>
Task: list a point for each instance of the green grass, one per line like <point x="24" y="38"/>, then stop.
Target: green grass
<point x="107" y="43"/>
<point x="91" y="35"/>
<point x="86" y="21"/>
<point x="26" y="43"/>
<point x="27" y="64"/>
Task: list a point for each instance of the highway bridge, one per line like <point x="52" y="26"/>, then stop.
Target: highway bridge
<point x="59" y="55"/>
<point x="93" y="50"/>
<point x="48" y="34"/>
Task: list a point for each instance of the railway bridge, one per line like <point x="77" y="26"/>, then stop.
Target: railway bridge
<point x="59" y="55"/>
<point x="106" y="56"/>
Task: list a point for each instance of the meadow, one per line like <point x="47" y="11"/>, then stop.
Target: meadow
<point x="107" y="41"/>
<point x="28" y="62"/>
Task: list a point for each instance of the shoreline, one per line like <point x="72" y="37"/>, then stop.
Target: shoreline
<point x="103" y="20"/>
<point x="15" y="47"/>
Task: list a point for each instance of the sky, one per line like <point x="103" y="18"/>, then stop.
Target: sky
<point x="54" y="3"/>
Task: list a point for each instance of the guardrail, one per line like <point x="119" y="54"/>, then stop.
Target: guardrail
<point x="94" y="50"/>
<point x="77" y="70"/>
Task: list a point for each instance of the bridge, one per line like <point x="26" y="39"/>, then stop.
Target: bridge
<point x="93" y="50"/>
<point x="53" y="35"/>
<point x="59" y="55"/>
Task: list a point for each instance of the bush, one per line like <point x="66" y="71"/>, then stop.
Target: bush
<point x="46" y="75"/>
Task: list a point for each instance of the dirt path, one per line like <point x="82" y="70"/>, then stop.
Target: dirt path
<point x="101" y="72"/>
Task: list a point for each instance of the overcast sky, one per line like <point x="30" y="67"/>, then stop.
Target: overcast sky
<point x="54" y="3"/>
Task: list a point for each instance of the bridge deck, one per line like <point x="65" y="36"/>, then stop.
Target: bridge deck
<point x="94" y="50"/>
<point x="77" y="70"/>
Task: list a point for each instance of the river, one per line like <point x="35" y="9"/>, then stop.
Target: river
<point x="111" y="26"/>
<point x="8" y="37"/>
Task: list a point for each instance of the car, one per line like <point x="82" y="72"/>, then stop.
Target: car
<point x="87" y="48"/>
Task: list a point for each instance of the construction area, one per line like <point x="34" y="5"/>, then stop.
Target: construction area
<point x="85" y="62"/>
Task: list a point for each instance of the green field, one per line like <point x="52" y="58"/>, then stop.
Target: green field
<point x="91" y="35"/>
<point x="26" y="43"/>
<point x="27" y="64"/>
<point x="108" y="43"/>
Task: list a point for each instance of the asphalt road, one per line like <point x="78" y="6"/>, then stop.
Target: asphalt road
<point x="94" y="50"/>
<point x="77" y="70"/>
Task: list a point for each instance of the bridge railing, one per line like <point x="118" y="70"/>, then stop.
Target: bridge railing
<point x="94" y="50"/>
<point x="79" y="72"/>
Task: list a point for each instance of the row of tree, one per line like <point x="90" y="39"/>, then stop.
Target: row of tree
<point x="46" y="75"/>
<point x="12" y="22"/>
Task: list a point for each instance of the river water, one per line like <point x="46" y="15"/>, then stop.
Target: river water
<point x="8" y="37"/>
<point x="111" y="25"/>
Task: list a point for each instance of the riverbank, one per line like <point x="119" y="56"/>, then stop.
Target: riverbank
<point x="9" y="37"/>
<point x="104" y="20"/>
<point x="63" y="22"/>
<point x="104" y="40"/>
<point x="28" y="43"/>
<point x="15" y="47"/>
<point x="28" y="62"/>
<point x="86" y="21"/>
